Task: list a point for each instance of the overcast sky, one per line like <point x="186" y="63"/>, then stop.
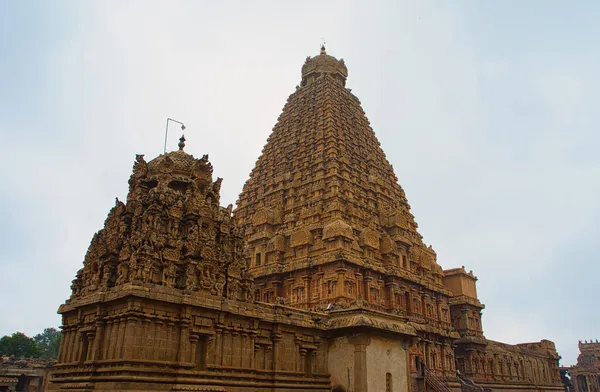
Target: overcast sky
<point x="485" y="109"/>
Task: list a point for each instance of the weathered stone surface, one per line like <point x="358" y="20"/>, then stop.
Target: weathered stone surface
<point x="318" y="280"/>
<point x="585" y="376"/>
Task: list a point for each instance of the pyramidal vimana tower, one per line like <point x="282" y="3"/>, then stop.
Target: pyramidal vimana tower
<point x="318" y="281"/>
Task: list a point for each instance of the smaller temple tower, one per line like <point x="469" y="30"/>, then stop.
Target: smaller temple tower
<point x="585" y="376"/>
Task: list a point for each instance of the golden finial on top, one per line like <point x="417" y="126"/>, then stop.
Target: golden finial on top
<point x="323" y="51"/>
<point x="181" y="142"/>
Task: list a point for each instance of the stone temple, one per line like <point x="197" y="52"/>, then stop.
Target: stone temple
<point x="318" y="281"/>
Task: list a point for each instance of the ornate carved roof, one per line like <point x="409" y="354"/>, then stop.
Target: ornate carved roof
<point x="171" y="232"/>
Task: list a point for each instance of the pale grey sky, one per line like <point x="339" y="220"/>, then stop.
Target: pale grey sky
<point x="485" y="109"/>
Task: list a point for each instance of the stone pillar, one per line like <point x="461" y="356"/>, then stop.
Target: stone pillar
<point x="120" y="352"/>
<point x="91" y="337"/>
<point x="226" y="347"/>
<point x="218" y="346"/>
<point x="183" y="351"/>
<point x="341" y="272"/>
<point x="298" y="358"/>
<point x="307" y="296"/>
<point x="129" y="342"/>
<point x="236" y="348"/>
<point x="268" y="352"/>
<point x="74" y="344"/>
<point x="359" y="284"/>
<point x="108" y="340"/>
<point x="367" y="287"/>
<point x="303" y="361"/>
<point x="159" y="352"/>
<point x="63" y="345"/>
<point x="97" y="347"/>
<point x="391" y="289"/>
<point x="252" y="349"/>
<point x="193" y="339"/>
<point x="276" y="349"/>
<point x="360" y="362"/>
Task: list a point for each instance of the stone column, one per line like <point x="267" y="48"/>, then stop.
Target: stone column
<point x="236" y="348"/>
<point x="276" y="344"/>
<point x="120" y="352"/>
<point x="97" y="347"/>
<point x="108" y="340"/>
<point x="359" y="284"/>
<point x="307" y="296"/>
<point x="67" y="344"/>
<point x="298" y="358"/>
<point x="303" y="361"/>
<point x="183" y="351"/>
<point x="367" y="287"/>
<point x="252" y="349"/>
<point x="360" y="362"/>
<point x="193" y="339"/>
<point x="75" y="339"/>
<point x="129" y="342"/>
<point x="91" y="337"/>
<point x="218" y="345"/>
<point x="268" y="352"/>
<point x="340" y="281"/>
<point x="63" y="345"/>
<point x="159" y="352"/>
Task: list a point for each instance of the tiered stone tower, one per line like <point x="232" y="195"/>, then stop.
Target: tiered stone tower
<point x="319" y="280"/>
<point x="326" y="223"/>
<point x="325" y="219"/>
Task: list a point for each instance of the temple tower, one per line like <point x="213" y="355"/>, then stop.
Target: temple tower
<point x="325" y="220"/>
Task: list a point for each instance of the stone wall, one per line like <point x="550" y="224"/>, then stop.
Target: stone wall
<point x="123" y="339"/>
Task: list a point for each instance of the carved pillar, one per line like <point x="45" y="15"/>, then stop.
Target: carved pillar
<point x="183" y="352"/>
<point x="391" y="289"/>
<point x="360" y="362"/>
<point x="297" y="357"/>
<point x="72" y="344"/>
<point x="76" y="345"/>
<point x="218" y="360"/>
<point x="108" y="340"/>
<point x="121" y="341"/>
<point x="276" y="349"/>
<point x="268" y="353"/>
<point x="97" y="347"/>
<point x="359" y="285"/>
<point x="64" y="346"/>
<point x="367" y="286"/>
<point x="307" y="288"/>
<point x="68" y="344"/>
<point x="226" y="347"/>
<point x="91" y="341"/>
<point x="341" y="272"/>
<point x="303" y="360"/>
<point x="159" y="354"/>
<point x="464" y="318"/>
<point x="236" y="348"/>
<point x="193" y="339"/>
<point x="252" y="349"/>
